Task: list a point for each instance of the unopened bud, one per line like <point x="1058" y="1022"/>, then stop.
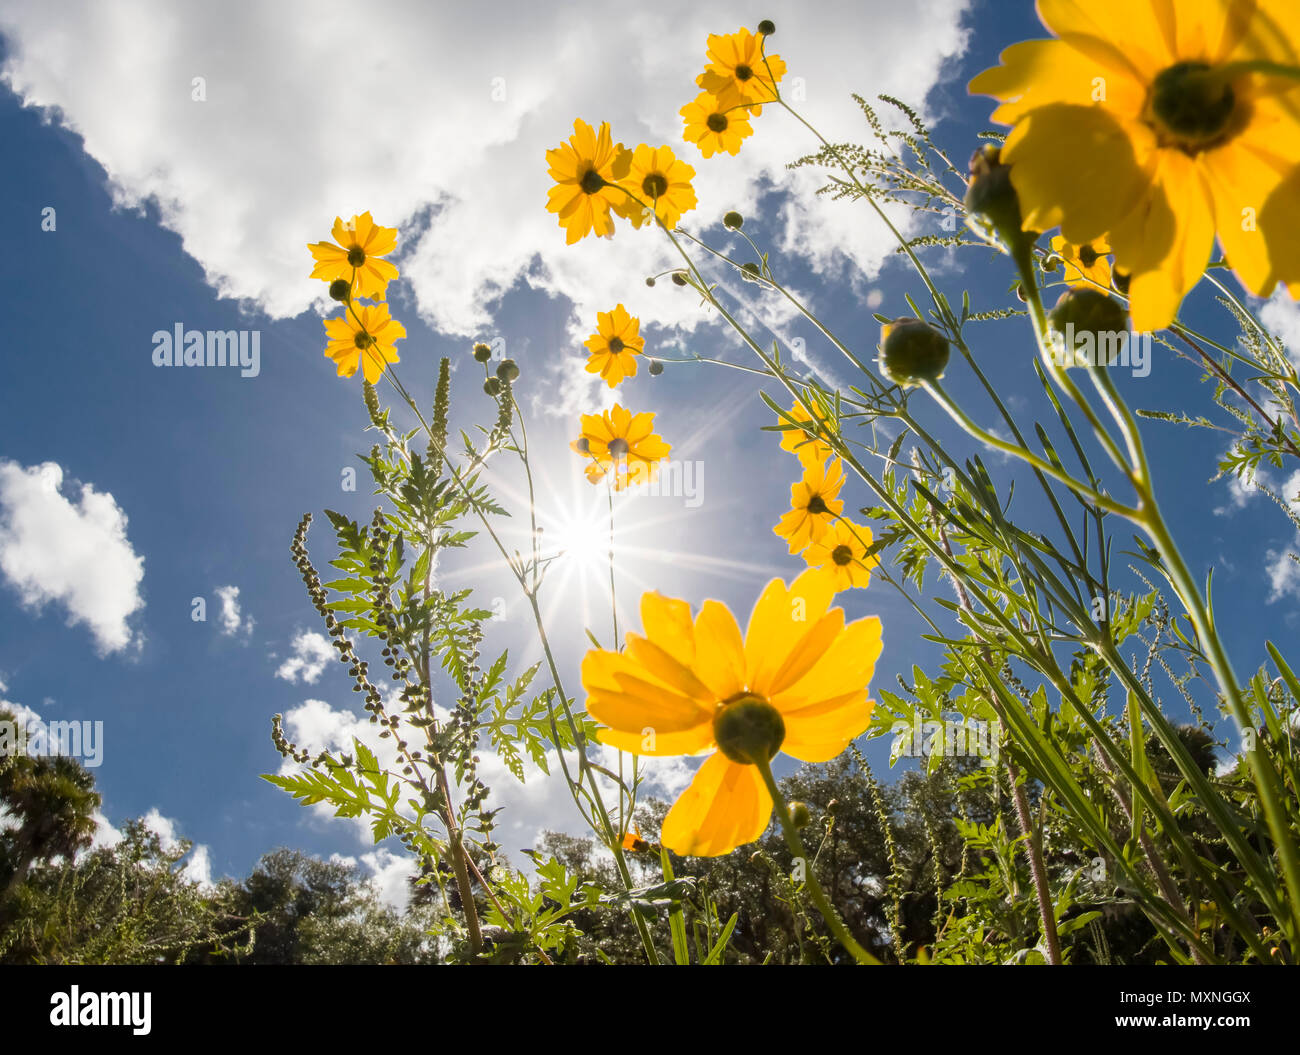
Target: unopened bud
<point x="912" y="351"/>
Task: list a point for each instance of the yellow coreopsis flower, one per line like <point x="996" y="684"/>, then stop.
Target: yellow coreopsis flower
<point x="360" y="244"/>
<point x="659" y="185"/>
<point x="620" y="442"/>
<point x="813" y="505"/>
<point x="712" y="126"/>
<point x="615" y="345"/>
<point x="1085" y="265"/>
<point x="738" y="68"/>
<point x="1160" y="125"/>
<point x="841" y="554"/>
<point x="810" y="450"/>
<point x="797" y="682"/>
<point x="364" y="338"/>
<point x="586" y="171"/>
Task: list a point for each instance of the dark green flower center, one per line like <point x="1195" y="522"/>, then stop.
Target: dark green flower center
<point x="356" y="256"/>
<point x="1192" y="109"/>
<point x="717" y="122"/>
<point x="842" y="555"/>
<point x="654" y="185"/>
<point x="363" y="341"/>
<point x="591" y="181"/>
<point x="817" y="505"/>
<point x="746" y="727"/>
<point x="618" y="447"/>
<point x="616" y="344"/>
<point x="743" y="73"/>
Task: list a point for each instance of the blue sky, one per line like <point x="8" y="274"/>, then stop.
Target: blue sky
<point x="198" y="213"/>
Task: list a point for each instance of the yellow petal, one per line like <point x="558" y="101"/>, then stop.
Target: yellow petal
<point x="725" y="806"/>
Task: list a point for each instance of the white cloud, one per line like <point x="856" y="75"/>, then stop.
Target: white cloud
<point x="1281" y="317"/>
<point x="1283" y="575"/>
<point x="75" y="553"/>
<point x="198" y="868"/>
<point x="311" y="653"/>
<point x="232" y="619"/>
<point x="438" y="121"/>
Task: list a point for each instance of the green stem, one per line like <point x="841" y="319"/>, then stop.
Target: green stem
<point x="813" y="887"/>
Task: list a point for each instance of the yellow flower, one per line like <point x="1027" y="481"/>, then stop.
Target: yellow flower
<point x="809" y="450"/>
<point x="683" y="686"/>
<point x="713" y="126"/>
<point x="586" y="170"/>
<point x="615" y="345"/>
<point x="1085" y="265"/>
<point x="361" y="242"/>
<point x="367" y="342"/>
<point x="813" y="505"/>
<point x="1142" y="122"/>
<point x="660" y="182"/>
<point x="621" y="442"/>
<point x="841" y="554"/>
<point x="737" y="65"/>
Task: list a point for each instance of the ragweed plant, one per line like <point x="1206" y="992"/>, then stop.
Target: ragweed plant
<point x="1068" y="656"/>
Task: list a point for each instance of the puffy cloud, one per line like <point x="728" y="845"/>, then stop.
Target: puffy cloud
<point x="232" y="619"/>
<point x="198" y="868"/>
<point x="1281" y="317"/>
<point x="1283" y="575"/>
<point x="311" y="653"/>
<point x="438" y="120"/>
<point x="71" y="552"/>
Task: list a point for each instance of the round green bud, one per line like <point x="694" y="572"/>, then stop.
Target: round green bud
<point x="990" y="196"/>
<point x="679" y="279"/>
<point x="650" y="281"/>
<point x="492" y="387"/>
<point x="733" y="221"/>
<point x="482" y="353"/>
<point x="656" y="368"/>
<point x="751" y="272"/>
<point x="800" y="815"/>
<point x="748" y="728"/>
<point x="912" y="351"/>
<point x="1084" y="323"/>
<point x="767" y="27"/>
<point x="507" y="370"/>
<point x="341" y="289"/>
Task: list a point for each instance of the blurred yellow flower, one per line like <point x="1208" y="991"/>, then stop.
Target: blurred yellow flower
<point x="586" y="170"/>
<point x="620" y="442"/>
<point x="1155" y="124"/>
<point x="738" y="69"/>
<point x="712" y="126"/>
<point x="813" y="505"/>
<point x="1085" y="265"/>
<point x="615" y="345"/>
<point x="659" y="182"/>
<point x="364" y="337"/>
<point x="798" y="679"/>
<point x="361" y="243"/>
<point x="841" y="554"/>
<point x="809" y="450"/>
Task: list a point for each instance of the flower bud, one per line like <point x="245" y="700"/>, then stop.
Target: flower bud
<point x="482" y="353"/>
<point x="679" y="279"/>
<point x="751" y="272"/>
<point x="1084" y="322"/>
<point x="991" y="200"/>
<point x="650" y="281"/>
<point x="800" y="815"/>
<point x="733" y="221"/>
<point x="656" y="367"/>
<point x="341" y="290"/>
<point x="507" y="370"/>
<point x="767" y="27"/>
<point x="492" y="386"/>
<point x="912" y="351"/>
